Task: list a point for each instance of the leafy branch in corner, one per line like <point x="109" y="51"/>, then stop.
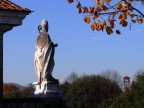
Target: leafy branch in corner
<point x="104" y="14"/>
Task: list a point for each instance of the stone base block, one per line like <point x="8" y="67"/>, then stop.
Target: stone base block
<point x="47" y="89"/>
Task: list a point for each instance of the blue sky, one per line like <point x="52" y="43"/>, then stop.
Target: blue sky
<point x="80" y="49"/>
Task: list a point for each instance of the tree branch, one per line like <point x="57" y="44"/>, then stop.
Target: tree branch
<point x="138" y="11"/>
<point x="109" y="12"/>
<point x="135" y="9"/>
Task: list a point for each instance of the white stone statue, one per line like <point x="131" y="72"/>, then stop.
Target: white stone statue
<point x="44" y="54"/>
<point x="47" y="86"/>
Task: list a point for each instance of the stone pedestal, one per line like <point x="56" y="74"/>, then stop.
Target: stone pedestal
<point x="51" y="94"/>
<point x="47" y="89"/>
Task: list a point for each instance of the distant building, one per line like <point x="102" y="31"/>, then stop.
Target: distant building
<point x="126" y="82"/>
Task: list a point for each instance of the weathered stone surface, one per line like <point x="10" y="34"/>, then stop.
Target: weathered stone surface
<point x="48" y="89"/>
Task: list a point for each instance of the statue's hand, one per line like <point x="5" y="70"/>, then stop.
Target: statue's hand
<point x="55" y="45"/>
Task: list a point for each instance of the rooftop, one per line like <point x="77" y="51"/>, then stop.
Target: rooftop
<point x="8" y="5"/>
<point x="126" y="77"/>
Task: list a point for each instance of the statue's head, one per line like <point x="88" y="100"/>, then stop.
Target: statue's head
<point x="43" y="26"/>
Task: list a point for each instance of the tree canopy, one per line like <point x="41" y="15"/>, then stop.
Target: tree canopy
<point x="89" y="91"/>
<point x="10" y="91"/>
<point x="112" y="75"/>
<point x="106" y="14"/>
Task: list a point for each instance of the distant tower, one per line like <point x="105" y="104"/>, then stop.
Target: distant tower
<point x="126" y="81"/>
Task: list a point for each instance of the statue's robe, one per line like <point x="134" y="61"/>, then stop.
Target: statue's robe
<point x="44" y="56"/>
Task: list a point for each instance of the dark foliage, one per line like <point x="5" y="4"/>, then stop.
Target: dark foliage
<point x="27" y="91"/>
<point x="10" y="91"/>
<point x="90" y="91"/>
<point x="131" y="98"/>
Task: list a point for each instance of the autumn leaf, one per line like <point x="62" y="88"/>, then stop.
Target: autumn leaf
<point x="134" y="21"/>
<point x="87" y="19"/>
<point x="102" y="27"/>
<point x="112" y="23"/>
<point x="107" y="1"/>
<point x="98" y="9"/>
<point x="123" y="16"/>
<point x="113" y="15"/>
<point x="98" y="27"/>
<point x="79" y="8"/>
<point x="85" y="10"/>
<point x="94" y="25"/>
<point x="103" y="23"/>
<point x="97" y="1"/>
<point x="132" y="16"/>
<point x="132" y="0"/>
<point x="123" y="23"/>
<point x="96" y="15"/>
<point x="140" y="20"/>
<point x="91" y="10"/>
<point x="119" y="6"/>
<point x="109" y="30"/>
<point x="125" y="6"/>
<point x="70" y="1"/>
<point x="118" y="32"/>
<point x="105" y="8"/>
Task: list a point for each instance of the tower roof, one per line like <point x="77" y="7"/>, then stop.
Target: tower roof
<point x="126" y="77"/>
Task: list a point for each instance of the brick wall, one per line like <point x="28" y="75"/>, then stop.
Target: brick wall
<point x="1" y="66"/>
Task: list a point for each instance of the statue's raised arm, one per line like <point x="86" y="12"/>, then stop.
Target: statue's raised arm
<point x="44" y="54"/>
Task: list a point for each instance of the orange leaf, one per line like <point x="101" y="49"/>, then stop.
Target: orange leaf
<point x="96" y="15"/>
<point x="119" y="6"/>
<point x="134" y="21"/>
<point x="103" y="23"/>
<point x="98" y="9"/>
<point x="123" y="23"/>
<point x="91" y="10"/>
<point x="126" y="6"/>
<point x="97" y="1"/>
<point x="118" y="32"/>
<point x="85" y="9"/>
<point x="105" y="8"/>
<point x="112" y="23"/>
<point x="79" y="8"/>
<point x="98" y="27"/>
<point x="70" y="1"/>
<point x="132" y="15"/>
<point x="107" y="1"/>
<point x="123" y="16"/>
<point x="94" y="25"/>
<point x="109" y="30"/>
<point x="87" y="19"/>
<point x="140" y="20"/>
<point x="132" y="0"/>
